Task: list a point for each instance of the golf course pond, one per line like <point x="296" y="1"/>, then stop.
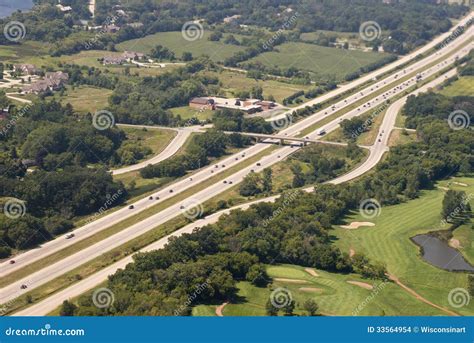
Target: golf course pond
<point x="438" y="253"/>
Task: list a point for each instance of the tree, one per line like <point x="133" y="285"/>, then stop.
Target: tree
<point x="250" y="185"/>
<point x="187" y="56"/>
<point x="298" y="176"/>
<point x="67" y="309"/>
<point x="267" y="180"/>
<point x="456" y="208"/>
<point x="311" y="307"/>
<point x="470" y="284"/>
<point x="257" y="275"/>
<point x="270" y="309"/>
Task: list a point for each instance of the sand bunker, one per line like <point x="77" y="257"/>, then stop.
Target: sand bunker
<point x="311" y="289"/>
<point x="454" y="243"/>
<point x="356" y="225"/>
<point x="443" y="188"/>
<point x="291" y="280"/>
<point x="351" y="252"/>
<point x="460" y="184"/>
<point x="311" y="272"/>
<point x="361" y="284"/>
<point x="219" y="309"/>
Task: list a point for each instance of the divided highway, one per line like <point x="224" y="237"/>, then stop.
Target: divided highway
<point x="75" y="260"/>
<point x="377" y="150"/>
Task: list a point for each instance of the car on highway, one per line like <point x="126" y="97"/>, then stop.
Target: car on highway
<point x="69" y="236"/>
<point x="258" y="164"/>
<point x="12" y="261"/>
<point x="322" y="132"/>
<point x="23" y="286"/>
<point x="131" y="207"/>
<point x="150" y="198"/>
<point x="171" y="191"/>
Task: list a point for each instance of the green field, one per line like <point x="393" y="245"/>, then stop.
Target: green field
<point x="462" y="87"/>
<point x="174" y="41"/>
<point x="389" y="242"/>
<point x="84" y="98"/>
<point x="322" y="61"/>
<point x="186" y="112"/>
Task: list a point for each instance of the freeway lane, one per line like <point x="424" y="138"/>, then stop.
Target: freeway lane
<point x="180" y="186"/>
<point x="48" y="273"/>
<point x="377" y="151"/>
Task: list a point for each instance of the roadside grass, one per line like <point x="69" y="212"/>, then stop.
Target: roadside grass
<point x="155" y="139"/>
<point x="462" y="87"/>
<point x="389" y="242"/>
<point x="324" y="62"/>
<point x="186" y="112"/>
<point x="401" y="137"/>
<point x="217" y="51"/>
<point x="48" y="260"/>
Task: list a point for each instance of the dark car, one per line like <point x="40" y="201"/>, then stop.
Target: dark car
<point x="171" y="191"/>
<point x="23" y="286"/>
<point x="150" y="198"/>
<point x="131" y="207"/>
<point x="12" y="261"/>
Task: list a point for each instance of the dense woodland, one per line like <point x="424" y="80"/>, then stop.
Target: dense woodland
<point x="235" y="248"/>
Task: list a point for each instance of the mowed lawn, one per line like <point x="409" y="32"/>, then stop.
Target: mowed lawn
<point x="389" y="242"/>
<point x="331" y="291"/>
<point x="322" y="61"/>
<point x="174" y="41"/>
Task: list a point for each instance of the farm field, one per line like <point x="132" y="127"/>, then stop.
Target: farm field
<point x="323" y="62"/>
<point x="234" y="81"/>
<point x="389" y="242"/>
<point x="174" y="41"/>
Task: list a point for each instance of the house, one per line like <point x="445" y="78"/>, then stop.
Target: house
<point x="132" y="55"/>
<point x="114" y="60"/>
<point x="202" y="103"/>
<point x="52" y="81"/>
<point x="228" y="20"/>
<point x="112" y="28"/>
<point x="27" y="69"/>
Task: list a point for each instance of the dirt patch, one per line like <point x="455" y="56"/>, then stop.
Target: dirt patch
<point x="356" y="225"/>
<point x="311" y="289"/>
<point x="454" y="243"/>
<point x="351" y="252"/>
<point x="311" y="272"/>
<point x="219" y="309"/>
<point x="361" y="284"/>
<point x="290" y="280"/>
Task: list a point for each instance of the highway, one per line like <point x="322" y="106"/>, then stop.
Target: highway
<point x="70" y="262"/>
<point x="171" y="149"/>
<point x="377" y="150"/>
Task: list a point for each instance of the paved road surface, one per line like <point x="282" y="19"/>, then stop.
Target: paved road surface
<point x="99" y="248"/>
<point x="377" y="151"/>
